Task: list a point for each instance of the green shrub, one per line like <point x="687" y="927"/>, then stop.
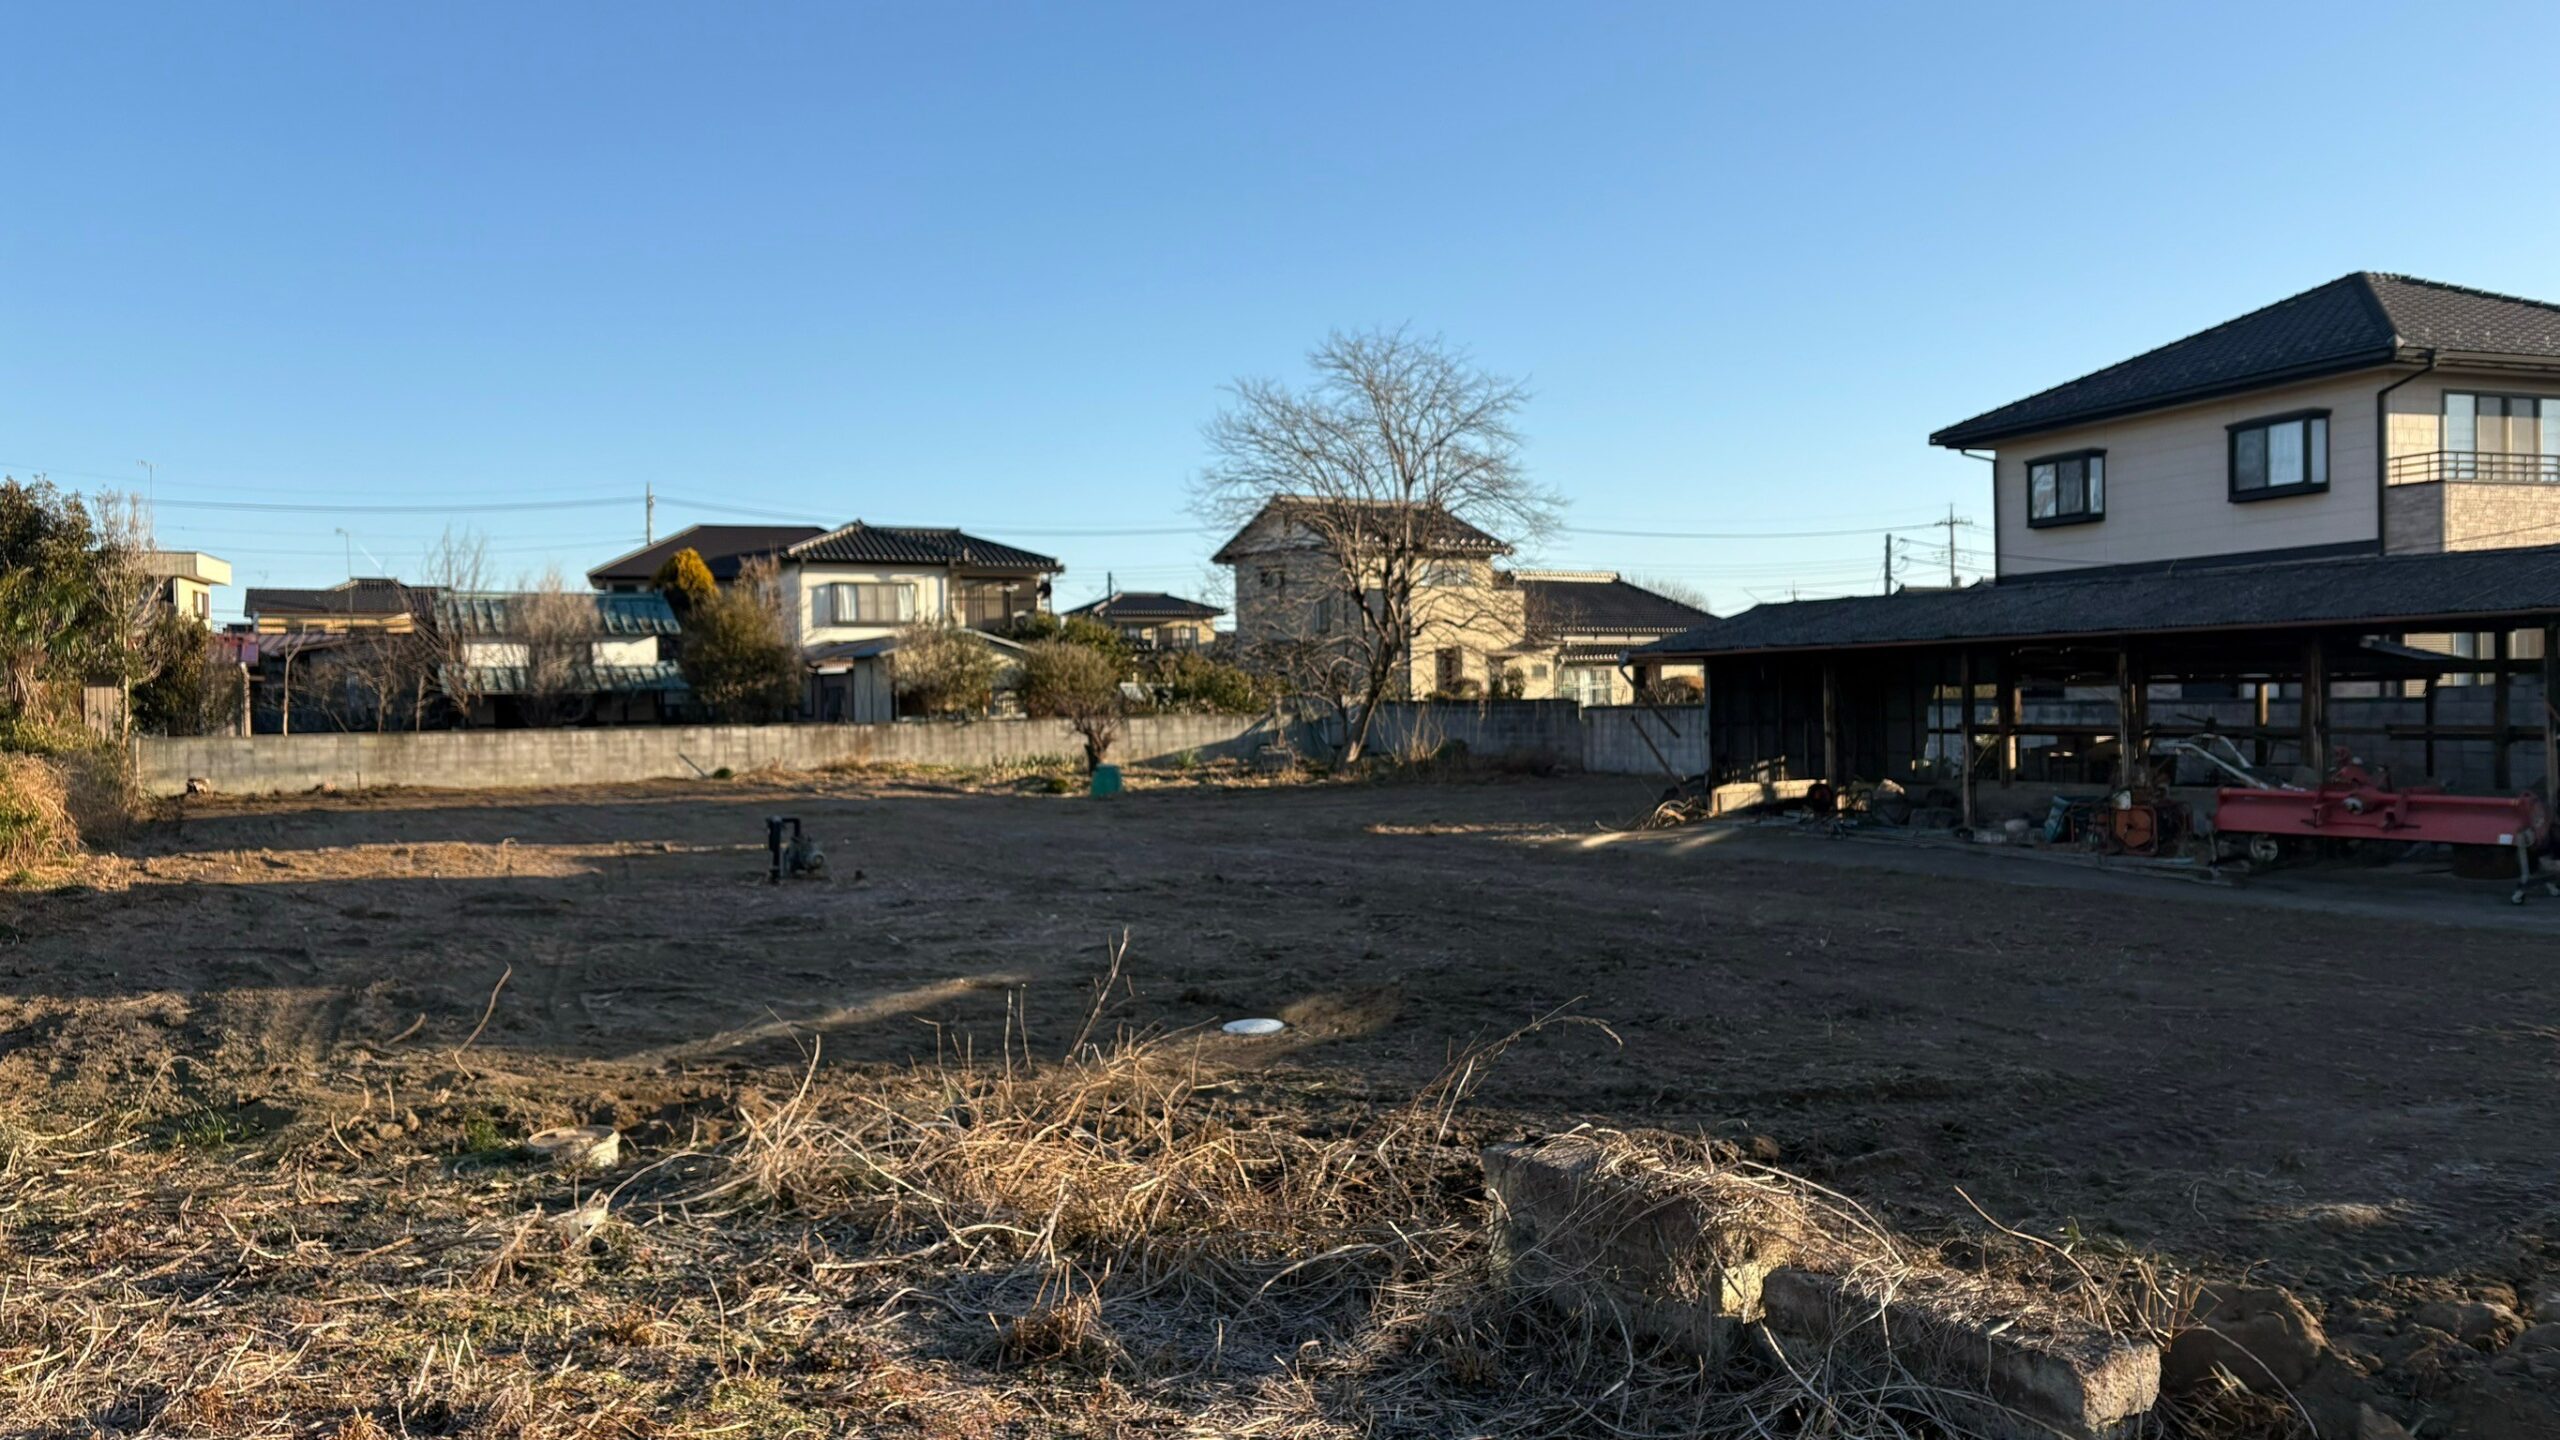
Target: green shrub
<point x="1189" y="680"/>
<point x="942" y="669"/>
<point x="1078" y="684"/>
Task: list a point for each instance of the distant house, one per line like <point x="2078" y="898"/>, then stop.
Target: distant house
<point x="550" y="658"/>
<point x="848" y="592"/>
<point x="187" y="580"/>
<point x="1478" y="629"/>
<point x="1153" y="620"/>
<point x="374" y="604"/>
<point x="722" y="547"/>
<point x="1577" y="627"/>
<point x="374" y="653"/>
<point x="1290" y="590"/>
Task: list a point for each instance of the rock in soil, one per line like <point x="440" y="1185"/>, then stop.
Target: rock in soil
<point x="577" y="1147"/>
<point x="2263" y="1336"/>
<point x="2480" y="1324"/>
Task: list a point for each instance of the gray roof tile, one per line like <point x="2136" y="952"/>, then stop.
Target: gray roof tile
<point x="2350" y="323"/>
<point x="2381" y="590"/>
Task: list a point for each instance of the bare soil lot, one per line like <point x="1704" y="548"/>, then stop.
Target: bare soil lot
<point x="2359" y="1107"/>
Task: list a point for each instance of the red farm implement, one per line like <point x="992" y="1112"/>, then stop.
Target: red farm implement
<point x="2354" y="805"/>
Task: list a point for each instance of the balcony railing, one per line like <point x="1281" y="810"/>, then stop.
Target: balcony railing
<point x="2471" y="466"/>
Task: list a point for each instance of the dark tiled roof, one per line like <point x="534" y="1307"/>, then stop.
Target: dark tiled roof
<point x="858" y="543"/>
<point x="2377" y="589"/>
<point x="1443" y="533"/>
<point x="722" y="547"/>
<point x="495" y="614"/>
<point x="1567" y="608"/>
<point x="2350" y="323"/>
<point x="369" y="597"/>
<point x="1137" y="607"/>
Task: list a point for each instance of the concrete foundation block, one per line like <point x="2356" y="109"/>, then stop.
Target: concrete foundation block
<point x="2001" y="1362"/>
<point x="1589" y="1223"/>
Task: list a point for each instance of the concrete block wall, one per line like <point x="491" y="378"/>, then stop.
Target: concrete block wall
<point x="269" y="764"/>
<point x="1550" y="729"/>
<point x="1614" y="736"/>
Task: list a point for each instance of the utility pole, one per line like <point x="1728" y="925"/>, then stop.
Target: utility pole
<point x="151" y="483"/>
<point x="648" y="513"/>
<point x="1888" y="564"/>
<point x="1951" y="522"/>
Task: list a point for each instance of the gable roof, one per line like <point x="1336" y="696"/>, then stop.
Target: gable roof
<point x="370" y="597"/>
<point x="722" y="547"/>
<point x="859" y="543"/>
<point x="1134" y="607"/>
<point x="1558" y="607"/>
<point x="2452" y="587"/>
<point x="2351" y="323"/>
<point x="1442" y="532"/>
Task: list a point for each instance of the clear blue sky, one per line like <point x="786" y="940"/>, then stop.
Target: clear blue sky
<point x="989" y="265"/>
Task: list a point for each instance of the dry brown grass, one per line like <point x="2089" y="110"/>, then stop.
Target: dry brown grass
<point x="35" y="812"/>
<point x="1125" y="1241"/>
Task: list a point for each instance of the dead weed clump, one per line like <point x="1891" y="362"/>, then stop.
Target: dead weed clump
<point x="35" y="813"/>
<point x="1127" y="1240"/>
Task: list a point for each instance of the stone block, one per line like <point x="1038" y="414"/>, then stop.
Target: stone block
<point x="2000" y="1361"/>
<point x="1588" y="1222"/>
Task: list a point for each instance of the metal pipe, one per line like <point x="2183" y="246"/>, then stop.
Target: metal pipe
<point x="2382" y="455"/>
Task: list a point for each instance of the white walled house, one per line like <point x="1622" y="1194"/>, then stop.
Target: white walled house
<point x="620" y="672"/>
<point x="848" y="592"/>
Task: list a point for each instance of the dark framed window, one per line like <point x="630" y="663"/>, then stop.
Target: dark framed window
<point x="2280" y="455"/>
<point x="2067" y="489"/>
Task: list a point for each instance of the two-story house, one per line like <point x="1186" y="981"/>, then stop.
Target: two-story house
<point x="2339" y="495"/>
<point x="1291" y="586"/>
<point x="2374" y="414"/>
<point x="848" y="592"/>
<point x="187" y="580"/>
<point x="1478" y="629"/>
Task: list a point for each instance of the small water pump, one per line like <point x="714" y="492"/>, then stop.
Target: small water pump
<point x="798" y="855"/>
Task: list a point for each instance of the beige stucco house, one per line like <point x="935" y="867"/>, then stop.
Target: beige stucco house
<point x="1478" y="629"/>
<point x="188" y="578"/>
<point x="1290" y="590"/>
<point x="2375" y="414"/>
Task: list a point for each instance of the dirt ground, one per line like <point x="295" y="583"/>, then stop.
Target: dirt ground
<point x="2336" y="1097"/>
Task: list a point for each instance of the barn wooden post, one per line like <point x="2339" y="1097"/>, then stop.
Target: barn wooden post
<point x="2004" y="685"/>
<point x="2551" y="715"/>
<point x="2315" y="708"/>
<point x="1831" y="724"/>
<point x="2428" y="718"/>
<point x="1964" y="674"/>
<point x="2501" y="686"/>
<point x="2130" y="719"/>
<point x="2258" y="742"/>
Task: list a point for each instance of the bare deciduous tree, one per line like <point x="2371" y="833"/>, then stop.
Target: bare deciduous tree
<point x="131" y="594"/>
<point x="439" y="653"/>
<point x="557" y="629"/>
<point x="1397" y="455"/>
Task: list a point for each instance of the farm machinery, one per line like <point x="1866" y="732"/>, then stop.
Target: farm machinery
<point x="2355" y="805"/>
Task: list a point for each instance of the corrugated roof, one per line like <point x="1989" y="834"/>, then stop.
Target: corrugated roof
<point x="664" y="677"/>
<point x="1567" y="608"/>
<point x="2350" y="323"/>
<point x="1137" y="607"/>
<point x="498" y="614"/>
<point x="863" y="544"/>
<point x="1443" y="532"/>
<point x="2464" y="589"/>
<point x="722" y="547"/>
